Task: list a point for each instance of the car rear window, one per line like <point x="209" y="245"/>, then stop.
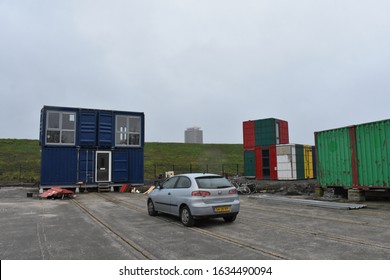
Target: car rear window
<point x="213" y="182"/>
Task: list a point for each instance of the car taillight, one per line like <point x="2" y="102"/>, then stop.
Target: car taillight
<point x="200" y="193"/>
<point x="233" y="191"/>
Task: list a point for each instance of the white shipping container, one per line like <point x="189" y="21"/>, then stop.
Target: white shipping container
<point x="286" y="162"/>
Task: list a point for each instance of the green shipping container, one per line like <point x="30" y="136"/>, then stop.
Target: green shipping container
<point x="249" y="163"/>
<point x="265" y="132"/>
<point x="334" y="157"/>
<point x="354" y="157"/>
<point x="270" y="132"/>
<point x="373" y="152"/>
<point x="300" y="162"/>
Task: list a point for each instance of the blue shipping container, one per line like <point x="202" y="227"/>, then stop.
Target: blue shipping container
<point x="58" y="166"/>
<point x="105" y="134"/>
<point x="91" y="146"/>
<point x="87" y="128"/>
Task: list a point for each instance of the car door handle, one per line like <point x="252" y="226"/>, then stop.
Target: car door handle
<point x="169" y="193"/>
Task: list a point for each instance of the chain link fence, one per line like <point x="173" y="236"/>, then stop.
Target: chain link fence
<point x="158" y="170"/>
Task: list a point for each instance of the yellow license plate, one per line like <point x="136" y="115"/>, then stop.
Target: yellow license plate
<point x="222" y="209"/>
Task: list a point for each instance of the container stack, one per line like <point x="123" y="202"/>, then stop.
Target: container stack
<point x="260" y="140"/>
<point x="269" y="155"/>
<point x="91" y="147"/>
<point x="295" y="162"/>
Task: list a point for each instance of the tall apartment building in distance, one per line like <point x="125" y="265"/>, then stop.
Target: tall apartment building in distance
<point x="193" y="135"/>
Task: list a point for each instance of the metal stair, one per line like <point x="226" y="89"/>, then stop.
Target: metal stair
<point x="104" y="187"/>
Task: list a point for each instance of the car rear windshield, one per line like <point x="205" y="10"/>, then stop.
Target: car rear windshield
<point x="213" y="182"/>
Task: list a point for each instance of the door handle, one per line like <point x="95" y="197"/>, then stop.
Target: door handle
<point x="169" y="193"/>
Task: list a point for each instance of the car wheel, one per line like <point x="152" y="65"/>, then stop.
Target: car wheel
<point x="151" y="210"/>
<point x="230" y="218"/>
<point x="186" y="217"/>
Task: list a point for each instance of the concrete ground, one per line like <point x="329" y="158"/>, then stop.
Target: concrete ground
<point x="111" y="226"/>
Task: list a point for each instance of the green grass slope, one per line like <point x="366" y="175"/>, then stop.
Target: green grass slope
<point x="183" y="157"/>
<point x="19" y="160"/>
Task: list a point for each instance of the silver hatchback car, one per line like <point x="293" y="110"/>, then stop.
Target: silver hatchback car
<point x="193" y="196"/>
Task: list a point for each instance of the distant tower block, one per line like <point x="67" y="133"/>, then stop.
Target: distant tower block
<point x="193" y="135"/>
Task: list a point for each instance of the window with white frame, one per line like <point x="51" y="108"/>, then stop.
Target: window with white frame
<point x="60" y="128"/>
<point x="128" y="131"/>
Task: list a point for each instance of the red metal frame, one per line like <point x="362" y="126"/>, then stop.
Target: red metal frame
<point x="273" y="162"/>
<point x="352" y="137"/>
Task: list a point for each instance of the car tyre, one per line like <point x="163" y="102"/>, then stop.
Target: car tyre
<point x="231" y="218"/>
<point x="186" y="217"/>
<point x="151" y="210"/>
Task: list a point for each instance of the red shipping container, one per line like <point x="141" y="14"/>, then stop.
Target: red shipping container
<point x="283" y="130"/>
<point x="249" y="135"/>
<point x="266" y="162"/>
<point x="273" y="163"/>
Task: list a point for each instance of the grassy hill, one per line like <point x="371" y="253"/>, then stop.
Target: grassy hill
<point x="182" y="158"/>
<point x="20" y="159"/>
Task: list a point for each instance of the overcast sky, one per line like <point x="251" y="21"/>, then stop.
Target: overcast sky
<point x="318" y="64"/>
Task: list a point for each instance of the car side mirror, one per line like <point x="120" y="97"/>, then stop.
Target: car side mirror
<point x="159" y="187"/>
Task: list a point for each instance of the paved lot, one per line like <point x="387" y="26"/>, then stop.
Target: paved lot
<point x="111" y="226"/>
